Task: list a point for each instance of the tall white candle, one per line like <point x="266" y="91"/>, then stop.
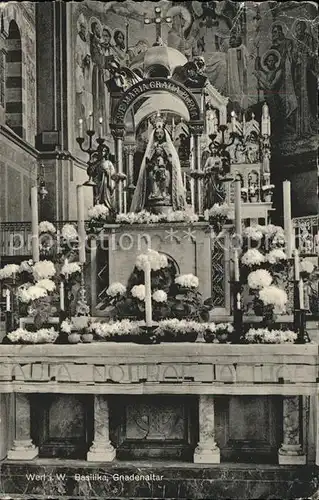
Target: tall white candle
<point x="91" y="125"/>
<point x="301" y="294"/>
<point x="81" y="134"/>
<point x="8" y="300"/>
<point x="236" y="265"/>
<point x="35" y="224"/>
<point x="287" y="217"/>
<point x="148" y="293"/>
<point x="62" y="296"/>
<point x="233" y="121"/>
<point x="81" y="223"/>
<point x="100" y="127"/>
<point x="238" y="227"/>
<point x="297" y="265"/>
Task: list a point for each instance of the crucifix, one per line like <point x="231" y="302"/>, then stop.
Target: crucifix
<point x="157" y="20"/>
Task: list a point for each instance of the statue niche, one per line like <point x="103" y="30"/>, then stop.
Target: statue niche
<point x="159" y="185"/>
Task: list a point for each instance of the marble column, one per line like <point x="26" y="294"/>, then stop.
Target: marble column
<point x="129" y="153"/>
<point x="290" y="452"/>
<point x="118" y="134"/>
<point x="207" y="451"/>
<point x="23" y="448"/>
<point x="101" y="449"/>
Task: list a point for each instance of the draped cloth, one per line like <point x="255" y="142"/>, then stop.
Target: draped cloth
<point x="177" y="188"/>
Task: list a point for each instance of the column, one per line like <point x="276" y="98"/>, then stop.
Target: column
<point x="192" y="168"/>
<point x="207" y="451"/>
<point x="129" y="153"/>
<point x="118" y="134"/>
<point x="23" y="448"/>
<point x="101" y="449"/>
<point x="196" y="129"/>
<point x="290" y="452"/>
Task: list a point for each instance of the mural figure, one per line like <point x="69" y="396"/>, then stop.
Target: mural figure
<point x="136" y="52"/>
<point x="236" y="67"/>
<point x="119" y="46"/>
<point x="305" y="62"/>
<point x="98" y="64"/>
<point x="83" y="70"/>
<point x="181" y="21"/>
<point x="159" y="144"/>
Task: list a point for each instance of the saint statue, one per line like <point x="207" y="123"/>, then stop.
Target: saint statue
<point x="215" y="189"/>
<point x="211" y="120"/>
<point x="102" y="173"/>
<point x="160" y="178"/>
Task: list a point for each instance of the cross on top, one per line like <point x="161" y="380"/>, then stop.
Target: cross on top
<point x="157" y="20"/>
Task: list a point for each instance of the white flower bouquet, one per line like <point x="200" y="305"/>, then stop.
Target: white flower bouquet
<point x="159" y="296"/>
<point x="29" y="293"/>
<point x="42" y="336"/>
<point x="275" y="256"/>
<point x="218" y="333"/>
<point x="9" y="271"/>
<point x="69" y="232"/>
<point x="253" y="232"/>
<point x="70" y="268"/>
<point x="98" y="212"/>
<point x="116" y="289"/>
<point x="259" y="279"/>
<point x="121" y="331"/>
<point x="157" y="260"/>
<point x="138" y="292"/>
<point x="187" y="281"/>
<point x="46" y="227"/>
<point x="43" y="270"/>
<point x="275" y="297"/>
<point x="252" y="257"/>
<point x="266" y="336"/>
<point x="175" y="330"/>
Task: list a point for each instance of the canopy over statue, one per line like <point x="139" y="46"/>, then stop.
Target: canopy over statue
<point x="160" y="185"/>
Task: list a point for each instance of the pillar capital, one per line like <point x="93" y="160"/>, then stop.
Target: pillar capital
<point x="117" y="130"/>
<point x="196" y="127"/>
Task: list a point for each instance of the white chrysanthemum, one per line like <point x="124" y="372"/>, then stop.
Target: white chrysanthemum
<point x="26" y="266"/>
<point x="187" y="281"/>
<point x="252" y="257"/>
<point x="306" y="266"/>
<point x="80" y="322"/>
<point x="114" y="328"/>
<point x="46" y="227"/>
<point x="116" y="289"/>
<point x="276" y="255"/>
<point x="272" y="295"/>
<point x="138" y="291"/>
<point x="9" y="271"/>
<point x="33" y="292"/>
<point x="45" y="336"/>
<point x="265" y="336"/>
<point x="70" y="268"/>
<point x="253" y="232"/>
<point x="66" y="326"/>
<point x="259" y="279"/>
<point x="99" y="211"/>
<point x="160" y="296"/>
<point x="43" y="269"/>
<point x="17" y="335"/>
<point x="157" y="260"/>
<point x="217" y="209"/>
<point x="47" y="284"/>
<point x="69" y="232"/>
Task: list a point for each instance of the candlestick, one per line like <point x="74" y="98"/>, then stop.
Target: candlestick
<point x="8" y="300"/>
<point x="238" y="227"/>
<point x="62" y="296"/>
<point x="81" y="133"/>
<point x="35" y="224"/>
<point x="287" y="217"/>
<point x="236" y="265"/>
<point x="91" y="125"/>
<point x="301" y="295"/>
<point x="148" y="293"/>
<point x="100" y="127"/>
<point x="81" y="223"/>
<point x="297" y="265"/>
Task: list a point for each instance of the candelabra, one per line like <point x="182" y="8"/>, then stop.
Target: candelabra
<point x="95" y="154"/>
<point x="82" y="307"/>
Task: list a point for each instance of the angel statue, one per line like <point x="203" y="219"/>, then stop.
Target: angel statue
<point x="160" y="182"/>
<point x="102" y="172"/>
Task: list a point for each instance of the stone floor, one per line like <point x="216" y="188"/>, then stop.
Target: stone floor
<point x="61" y="479"/>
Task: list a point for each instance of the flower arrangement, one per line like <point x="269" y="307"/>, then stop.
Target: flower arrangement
<point x="43" y="270"/>
<point x="31" y="293"/>
<point x="46" y="227"/>
<point x="98" y="211"/>
<point x="42" y="336"/>
<point x="116" y="289"/>
<point x="306" y="267"/>
<point x="275" y="297"/>
<point x="254" y="232"/>
<point x="70" y="268"/>
<point x="187" y="281"/>
<point x="266" y="336"/>
<point x="276" y="255"/>
<point x="77" y="329"/>
<point x="157" y="260"/>
<point x="124" y="330"/>
<point x="268" y="187"/>
<point x="69" y="232"/>
<point x="252" y="257"/>
<point x="179" y="330"/>
<point x="219" y="333"/>
<point x="138" y="291"/>
<point x="9" y="271"/>
<point x="259" y="279"/>
<point x="159" y="296"/>
<point x="145" y="217"/>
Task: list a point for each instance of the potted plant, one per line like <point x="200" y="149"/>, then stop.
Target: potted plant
<point x="267" y="190"/>
<point x="244" y="194"/>
<point x="253" y="193"/>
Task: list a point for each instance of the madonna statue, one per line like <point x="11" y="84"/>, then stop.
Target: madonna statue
<point x="159" y="185"/>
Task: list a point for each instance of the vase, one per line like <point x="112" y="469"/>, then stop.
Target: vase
<point x="253" y="199"/>
<point x="268" y="198"/>
<point x="74" y="338"/>
<point x="87" y="338"/>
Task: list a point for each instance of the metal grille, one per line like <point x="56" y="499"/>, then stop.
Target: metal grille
<point x="218" y="272"/>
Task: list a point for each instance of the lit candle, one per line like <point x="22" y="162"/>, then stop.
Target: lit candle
<point x="238" y="301"/>
<point x="91" y="126"/>
<point x="81" y="134"/>
<point x="8" y="300"/>
<point x="236" y="265"/>
<point x="35" y="224"/>
<point x="100" y="127"/>
<point x="297" y="266"/>
<point x="238" y="227"/>
<point x="301" y="295"/>
<point x="148" y="293"/>
<point x="287" y="217"/>
<point x="244" y="125"/>
<point x="62" y="296"/>
<point x="81" y="223"/>
<point x="223" y="115"/>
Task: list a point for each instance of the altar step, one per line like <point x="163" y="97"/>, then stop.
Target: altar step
<point x="70" y="479"/>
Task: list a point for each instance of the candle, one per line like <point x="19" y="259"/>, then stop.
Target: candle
<point x="233" y="121"/>
<point x="8" y="300"/>
<point x="287" y="217"/>
<point x="148" y="293"/>
<point x="236" y="265"/>
<point x="297" y="266"/>
<point x="62" y="296"/>
<point x="100" y="127"/>
<point x="238" y="228"/>
<point x="238" y="301"/>
<point x="81" y="223"/>
<point x="35" y="224"/>
<point x="301" y="295"/>
<point x="223" y="116"/>
<point x="81" y="134"/>
<point x="91" y="126"/>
